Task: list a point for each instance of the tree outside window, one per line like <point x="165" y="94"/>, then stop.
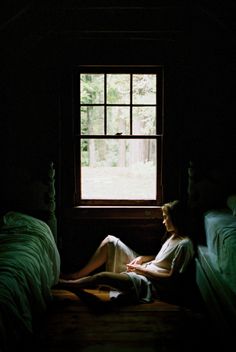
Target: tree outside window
<point x="118" y="136"/>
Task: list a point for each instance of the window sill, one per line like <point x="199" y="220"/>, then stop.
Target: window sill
<point x="115" y="212"/>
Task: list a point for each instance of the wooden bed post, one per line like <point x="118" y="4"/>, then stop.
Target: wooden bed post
<point x="191" y="175"/>
<point x="52" y="220"/>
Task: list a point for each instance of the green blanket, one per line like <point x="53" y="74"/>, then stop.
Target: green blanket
<point x="29" y="267"/>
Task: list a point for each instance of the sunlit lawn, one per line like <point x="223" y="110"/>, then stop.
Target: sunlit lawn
<point x="118" y="183"/>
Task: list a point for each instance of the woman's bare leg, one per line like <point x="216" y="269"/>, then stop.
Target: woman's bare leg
<point x="120" y="282"/>
<point x="98" y="259"/>
<point x="117" y="281"/>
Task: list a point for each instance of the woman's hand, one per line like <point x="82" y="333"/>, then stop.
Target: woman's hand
<point x="137" y="268"/>
<point x="138" y="260"/>
<point x="141" y="259"/>
<point x="149" y="273"/>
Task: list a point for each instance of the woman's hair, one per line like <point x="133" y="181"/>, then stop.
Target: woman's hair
<point x="176" y="212"/>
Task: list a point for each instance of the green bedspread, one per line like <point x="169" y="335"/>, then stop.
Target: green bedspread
<point x="29" y="267"/>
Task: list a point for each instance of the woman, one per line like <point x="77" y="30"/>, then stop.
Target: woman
<point x="138" y="278"/>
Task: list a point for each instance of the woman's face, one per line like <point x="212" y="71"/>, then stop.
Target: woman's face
<point x="167" y="222"/>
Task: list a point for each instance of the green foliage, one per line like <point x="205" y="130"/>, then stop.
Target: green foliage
<point x="92" y="115"/>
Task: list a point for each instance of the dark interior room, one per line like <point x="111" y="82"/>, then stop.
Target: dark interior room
<point x="64" y="63"/>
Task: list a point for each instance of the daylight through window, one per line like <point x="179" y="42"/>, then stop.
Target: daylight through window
<point x="119" y="130"/>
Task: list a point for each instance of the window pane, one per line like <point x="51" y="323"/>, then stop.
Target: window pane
<point x="92" y="120"/>
<point x="144" y="89"/>
<point x="118" y="120"/>
<point x="118" y="89"/>
<point x="91" y="88"/>
<point x="118" y="169"/>
<point x="144" y="120"/>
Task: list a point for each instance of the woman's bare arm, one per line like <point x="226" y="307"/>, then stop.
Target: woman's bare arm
<point x="142" y="259"/>
<point x="150" y="273"/>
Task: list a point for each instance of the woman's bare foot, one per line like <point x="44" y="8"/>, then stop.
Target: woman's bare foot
<point x="63" y="281"/>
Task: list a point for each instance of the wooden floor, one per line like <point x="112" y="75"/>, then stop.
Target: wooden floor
<point x="71" y="325"/>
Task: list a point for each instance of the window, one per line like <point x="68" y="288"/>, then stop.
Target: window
<point x="118" y="126"/>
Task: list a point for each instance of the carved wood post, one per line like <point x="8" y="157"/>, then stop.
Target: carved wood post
<point x="52" y="220"/>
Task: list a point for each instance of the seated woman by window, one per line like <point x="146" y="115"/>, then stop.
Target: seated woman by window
<point x="137" y="278"/>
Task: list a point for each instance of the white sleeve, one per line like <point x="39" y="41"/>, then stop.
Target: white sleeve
<point x="183" y="255"/>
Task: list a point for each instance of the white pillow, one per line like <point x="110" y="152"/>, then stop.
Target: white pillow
<point x="231" y="202"/>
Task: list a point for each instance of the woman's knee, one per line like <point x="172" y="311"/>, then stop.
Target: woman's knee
<point x="109" y="240"/>
<point x="102" y="278"/>
<point x="103" y="275"/>
<point x="115" y="280"/>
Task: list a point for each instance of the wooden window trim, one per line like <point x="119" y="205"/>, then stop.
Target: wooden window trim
<point x="78" y="202"/>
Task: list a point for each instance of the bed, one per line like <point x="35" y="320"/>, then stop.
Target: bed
<point x="213" y="205"/>
<point x="29" y="266"/>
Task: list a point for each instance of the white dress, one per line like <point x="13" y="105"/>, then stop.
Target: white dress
<point x="175" y="254"/>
